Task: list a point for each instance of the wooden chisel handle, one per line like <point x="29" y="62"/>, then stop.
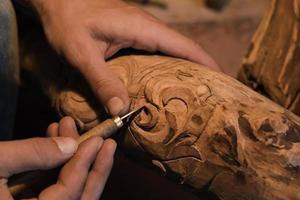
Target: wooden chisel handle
<point x="105" y="129"/>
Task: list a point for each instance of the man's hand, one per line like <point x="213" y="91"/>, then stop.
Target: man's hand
<point x="76" y="180"/>
<point x="87" y="32"/>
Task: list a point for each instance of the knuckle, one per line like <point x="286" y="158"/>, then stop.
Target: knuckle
<point x="76" y="49"/>
<point x="40" y="154"/>
<point x="104" y="168"/>
<point x="67" y="191"/>
<point x="45" y="152"/>
<point x="103" y="83"/>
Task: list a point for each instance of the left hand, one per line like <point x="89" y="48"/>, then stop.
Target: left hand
<point x="87" y="32"/>
<point x="85" y="175"/>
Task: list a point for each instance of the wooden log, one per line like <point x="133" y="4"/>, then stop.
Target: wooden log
<point x="200" y="127"/>
<point x="204" y="128"/>
<point x="272" y="65"/>
<point x="210" y="131"/>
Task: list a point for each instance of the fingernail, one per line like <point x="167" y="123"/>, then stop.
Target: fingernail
<point x="114" y="106"/>
<point x="66" y="145"/>
<point x="3" y="181"/>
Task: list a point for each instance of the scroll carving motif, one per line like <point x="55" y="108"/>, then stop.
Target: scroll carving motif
<point x="271" y="65"/>
<point x="205" y="127"/>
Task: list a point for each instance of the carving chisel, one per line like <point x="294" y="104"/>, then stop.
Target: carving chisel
<point x="105" y="129"/>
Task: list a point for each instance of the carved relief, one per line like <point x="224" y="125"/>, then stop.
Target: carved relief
<point x="204" y="127"/>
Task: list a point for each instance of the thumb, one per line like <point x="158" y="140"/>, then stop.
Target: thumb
<point x="108" y="87"/>
<point x="37" y="153"/>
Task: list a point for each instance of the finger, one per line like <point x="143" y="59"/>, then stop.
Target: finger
<point x="162" y="38"/>
<point x="67" y="128"/>
<point x="101" y="169"/>
<point x="38" y="153"/>
<point x="89" y="58"/>
<point x="109" y="89"/>
<point x="73" y="176"/>
<point x="52" y="130"/>
<point x="4" y="192"/>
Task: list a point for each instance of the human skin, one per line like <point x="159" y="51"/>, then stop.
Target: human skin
<point x="76" y="180"/>
<point x="88" y="32"/>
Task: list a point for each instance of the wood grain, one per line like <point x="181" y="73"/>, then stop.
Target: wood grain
<point x="272" y="65"/>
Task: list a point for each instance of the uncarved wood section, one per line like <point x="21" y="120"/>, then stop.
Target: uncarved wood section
<point x="272" y="65"/>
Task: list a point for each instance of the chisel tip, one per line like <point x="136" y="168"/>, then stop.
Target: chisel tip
<point x="132" y="112"/>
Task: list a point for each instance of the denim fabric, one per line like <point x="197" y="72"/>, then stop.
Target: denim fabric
<point x="9" y="68"/>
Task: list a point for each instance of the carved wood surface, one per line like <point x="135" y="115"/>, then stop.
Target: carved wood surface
<point x="207" y="129"/>
<point x="272" y="65"/>
<point x="203" y="128"/>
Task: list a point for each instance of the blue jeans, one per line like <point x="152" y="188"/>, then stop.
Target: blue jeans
<point x="9" y="68"/>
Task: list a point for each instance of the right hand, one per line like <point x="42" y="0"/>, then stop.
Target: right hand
<point x="76" y="180"/>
